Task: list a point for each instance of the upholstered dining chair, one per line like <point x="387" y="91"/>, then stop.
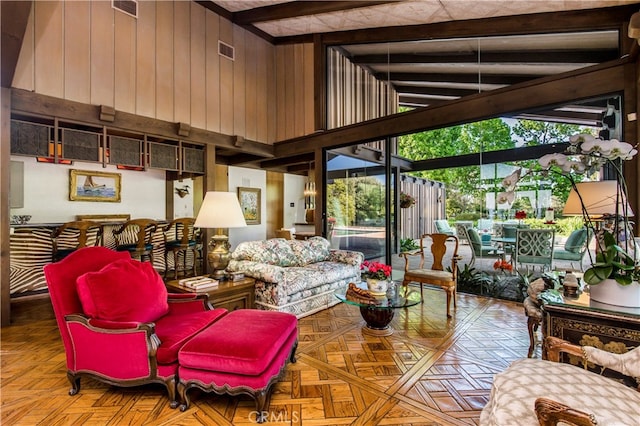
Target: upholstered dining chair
<point x="479" y="250"/>
<point x="135" y="236"/>
<point x="547" y="392"/>
<point x="461" y="230"/>
<point x="575" y="248"/>
<point x="180" y="238"/>
<point x="534" y="247"/>
<point x="71" y="236"/>
<point x="436" y="275"/>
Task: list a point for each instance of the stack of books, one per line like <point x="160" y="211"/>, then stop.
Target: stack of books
<point x="201" y="283"/>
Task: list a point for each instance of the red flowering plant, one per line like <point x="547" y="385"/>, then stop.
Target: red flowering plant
<point x="375" y="270"/>
<point x="521" y="214"/>
<point x="503" y="265"/>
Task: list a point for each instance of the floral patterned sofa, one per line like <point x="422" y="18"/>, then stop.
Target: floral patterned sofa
<point x="294" y="276"/>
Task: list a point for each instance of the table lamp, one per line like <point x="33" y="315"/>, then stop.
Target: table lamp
<point x="598" y="198"/>
<point x="219" y="210"/>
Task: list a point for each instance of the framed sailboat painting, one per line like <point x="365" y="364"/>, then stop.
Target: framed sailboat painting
<point x="86" y="185"/>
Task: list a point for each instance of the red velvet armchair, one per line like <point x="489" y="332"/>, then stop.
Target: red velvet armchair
<point x="117" y="321"/>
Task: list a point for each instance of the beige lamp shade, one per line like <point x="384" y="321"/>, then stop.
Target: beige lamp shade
<point x="599" y="198"/>
<point x="220" y="210"/>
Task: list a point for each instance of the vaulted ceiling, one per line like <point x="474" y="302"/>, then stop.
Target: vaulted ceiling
<point x="434" y="51"/>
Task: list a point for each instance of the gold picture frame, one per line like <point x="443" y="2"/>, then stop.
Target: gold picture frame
<point x="86" y="185"/>
<point x="250" y="204"/>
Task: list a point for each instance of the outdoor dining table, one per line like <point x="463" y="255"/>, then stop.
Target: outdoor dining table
<point x="505" y="241"/>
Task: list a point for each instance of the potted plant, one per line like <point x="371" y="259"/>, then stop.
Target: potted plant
<point x="406" y="200"/>
<point x="613" y="275"/>
<point x="376" y="275"/>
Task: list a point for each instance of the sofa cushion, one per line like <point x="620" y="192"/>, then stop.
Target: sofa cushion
<point x="315" y="249"/>
<point x="275" y="251"/>
<point x="125" y="290"/>
<point x="175" y="330"/>
<point x="576" y="241"/>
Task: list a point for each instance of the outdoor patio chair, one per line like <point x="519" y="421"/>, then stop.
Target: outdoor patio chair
<point x="442" y="227"/>
<point x="436" y="275"/>
<point x="575" y="248"/>
<point x="479" y="250"/>
<point x="534" y="247"/>
<point x="461" y="227"/>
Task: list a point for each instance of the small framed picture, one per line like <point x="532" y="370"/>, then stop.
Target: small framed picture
<point x="94" y="186"/>
<point x="250" y="204"/>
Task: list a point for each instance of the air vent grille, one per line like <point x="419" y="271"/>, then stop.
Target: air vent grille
<point x="130" y="7"/>
<point x="226" y="50"/>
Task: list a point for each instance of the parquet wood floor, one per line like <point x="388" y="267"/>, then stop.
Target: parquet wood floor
<point x="429" y="372"/>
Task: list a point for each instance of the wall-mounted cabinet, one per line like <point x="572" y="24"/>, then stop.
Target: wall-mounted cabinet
<point x="57" y="142"/>
<point x="31" y="139"/>
<point x="163" y="156"/>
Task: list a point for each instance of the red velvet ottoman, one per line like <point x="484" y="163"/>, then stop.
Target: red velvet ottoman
<point x="243" y="352"/>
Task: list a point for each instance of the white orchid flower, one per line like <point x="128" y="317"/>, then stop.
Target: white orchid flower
<point x="509" y="182"/>
<point x="575" y="166"/>
<point x="621" y="150"/>
<point x="548" y="160"/>
<point x="597" y="146"/>
<point x="506" y="197"/>
<point x="580" y="138"/>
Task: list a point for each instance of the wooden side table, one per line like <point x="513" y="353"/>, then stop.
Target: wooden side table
<point x="230" y="295"/>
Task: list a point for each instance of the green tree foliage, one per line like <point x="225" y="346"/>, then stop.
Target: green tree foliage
<point x="356" y="201"/>
<point x="465" y="194"/>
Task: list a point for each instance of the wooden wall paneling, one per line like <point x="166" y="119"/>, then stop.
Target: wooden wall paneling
<point x="102" y="54"/>
<point x="182" y="62"/>
<point x="251" y="86"/>
<point x="226" y="80"/>
<point x="298" y="86"/>
<point x="124" y="96"/>
<point x="272" y="102"/>
<point x="275" y="207"/>
<point x="164" y="61"/>
<point x="289" y="92"/>
<point x="24" y="76"/>
<point x="49" y="64"/>
<point x="5" y="156"/>
<point x="146" y="59"/>
<point x="281" y="98"/>
<point x="198" y="66"/>
<point x="262" y="92"/>
<point x="77" y="51"/>
<point x="309" y="81"/>
<point x="212" y="73"/>
<point x="239" y="101"/>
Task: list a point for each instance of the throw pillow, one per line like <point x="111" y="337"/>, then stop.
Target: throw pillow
<point x="125" y="290"/>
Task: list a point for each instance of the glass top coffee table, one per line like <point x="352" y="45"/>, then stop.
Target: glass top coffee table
<point x="378" y="315"/>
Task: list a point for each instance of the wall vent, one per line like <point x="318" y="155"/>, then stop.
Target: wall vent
<point x="130" y="7"/>
<point x="226" y="50"/>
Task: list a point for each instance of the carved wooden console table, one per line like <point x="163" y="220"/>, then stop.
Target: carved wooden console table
<point x="585" y="322"/>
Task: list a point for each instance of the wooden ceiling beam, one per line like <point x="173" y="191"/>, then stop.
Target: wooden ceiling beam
<point x="286" y="161"/>
<point x="507" y="57"/>
<point x="558" y="89"/>
<point x="439" y="91"/>
<point x="533" y="23"/>
<point x="487" y="78"/>
<point x="294" y="9"/>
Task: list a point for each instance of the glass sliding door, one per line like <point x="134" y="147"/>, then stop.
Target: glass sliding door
<point x="356" y="205"/>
